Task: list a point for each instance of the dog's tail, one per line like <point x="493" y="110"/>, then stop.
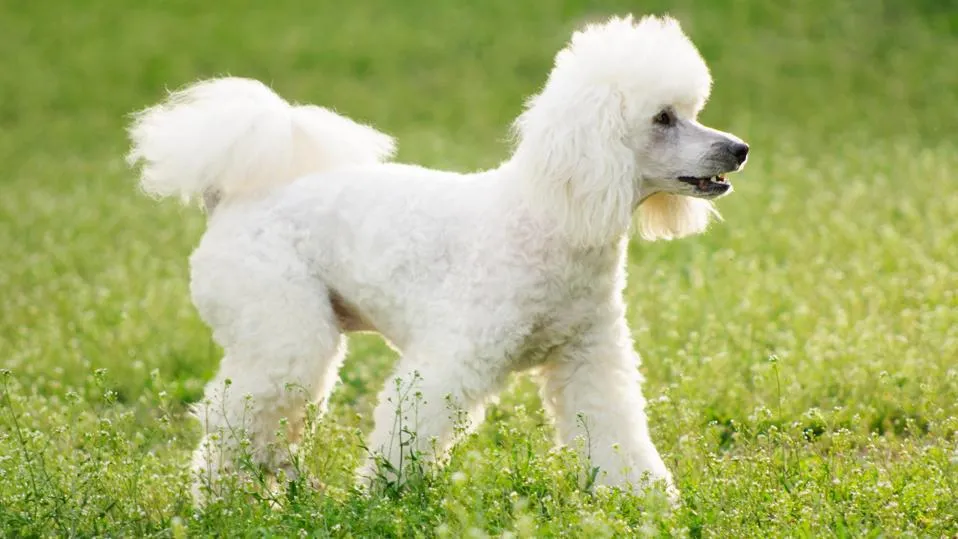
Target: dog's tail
<point x="231" y="138"/>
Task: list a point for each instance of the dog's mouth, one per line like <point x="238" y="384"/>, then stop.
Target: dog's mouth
<point x="710" y="186"/>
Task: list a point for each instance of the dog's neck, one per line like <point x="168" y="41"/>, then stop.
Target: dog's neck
<point x="583" y="222"/>
<point x="642" y="193"/>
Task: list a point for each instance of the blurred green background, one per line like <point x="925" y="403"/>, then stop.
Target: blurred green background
<point x="801" y="358"/>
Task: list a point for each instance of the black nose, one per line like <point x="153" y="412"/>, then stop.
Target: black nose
<point x="739" y="150"/>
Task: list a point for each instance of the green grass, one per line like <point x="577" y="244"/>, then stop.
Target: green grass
<point x="801" y="358"/>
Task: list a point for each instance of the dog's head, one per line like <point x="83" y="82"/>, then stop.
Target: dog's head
<point x="615" y="128"/>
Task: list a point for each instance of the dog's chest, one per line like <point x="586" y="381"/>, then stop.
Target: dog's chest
<point x="548" y="334"/>
<point x="571" y="291"/>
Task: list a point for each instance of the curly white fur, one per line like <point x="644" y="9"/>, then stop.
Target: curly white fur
<point x="471" y="276"/>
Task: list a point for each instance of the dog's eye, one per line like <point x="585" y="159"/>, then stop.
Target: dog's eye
<point x="663" y="118"/>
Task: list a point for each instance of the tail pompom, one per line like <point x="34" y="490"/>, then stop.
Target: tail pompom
<point x="234" y="137"/>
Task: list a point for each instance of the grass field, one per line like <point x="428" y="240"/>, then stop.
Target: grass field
<point x="801" y="358"/>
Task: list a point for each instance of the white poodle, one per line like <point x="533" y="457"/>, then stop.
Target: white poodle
<point x="312" y="235"/>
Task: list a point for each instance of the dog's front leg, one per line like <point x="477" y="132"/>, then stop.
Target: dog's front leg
<point x="429" y="400"/>
<point x="593" y="389"/>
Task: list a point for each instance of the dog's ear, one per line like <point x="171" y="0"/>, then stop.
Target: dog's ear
<point x="664" y="216"/>
<point x="575" y="162"/>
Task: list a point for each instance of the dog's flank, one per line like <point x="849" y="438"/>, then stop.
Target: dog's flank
<point x="471" y="276"/>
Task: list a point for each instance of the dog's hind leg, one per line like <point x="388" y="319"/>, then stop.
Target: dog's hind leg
<point x="283" y="349"/>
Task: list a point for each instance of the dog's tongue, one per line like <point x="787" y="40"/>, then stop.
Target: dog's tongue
<point x="703" y="184"/>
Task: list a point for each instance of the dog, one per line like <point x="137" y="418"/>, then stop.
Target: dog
<point x="312" y="234"/>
